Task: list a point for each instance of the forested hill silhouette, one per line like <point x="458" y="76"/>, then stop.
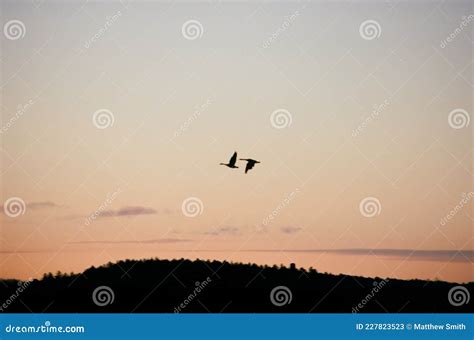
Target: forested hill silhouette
<point x="211" y="286"/>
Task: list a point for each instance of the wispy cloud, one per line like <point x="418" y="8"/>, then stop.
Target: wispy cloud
<point x="223" y="230"/>
<point x="125" y="211"/>
<point x="152" y="241"/>
<point x="427" y="255"/>
<point x="36" y="205"/>
<point x="39" y="205"/>
<point x="290" y="230"/>
<point x="9" y="252"/>
<point x="129" y="211"/>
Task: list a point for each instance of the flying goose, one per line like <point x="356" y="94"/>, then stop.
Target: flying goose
<point x="250" y="163"/>
<point x="232" y="161"/>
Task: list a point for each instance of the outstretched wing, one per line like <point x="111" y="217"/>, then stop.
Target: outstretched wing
<point x="249" y="166"/>
<point x="233" y="159"/>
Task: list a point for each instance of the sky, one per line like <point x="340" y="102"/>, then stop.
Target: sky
<point x="116" y="115"/>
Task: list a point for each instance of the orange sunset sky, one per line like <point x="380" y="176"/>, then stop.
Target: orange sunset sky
<point x="360" y="113"/>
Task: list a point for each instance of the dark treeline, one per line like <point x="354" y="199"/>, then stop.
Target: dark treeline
<point x="211" y="286"/>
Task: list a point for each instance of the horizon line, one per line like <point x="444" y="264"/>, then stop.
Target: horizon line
<point x="433" y="255"/>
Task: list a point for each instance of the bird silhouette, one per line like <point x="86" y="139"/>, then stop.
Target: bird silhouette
<point x="232" y="162"/>
<point x="250" y="163"/>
